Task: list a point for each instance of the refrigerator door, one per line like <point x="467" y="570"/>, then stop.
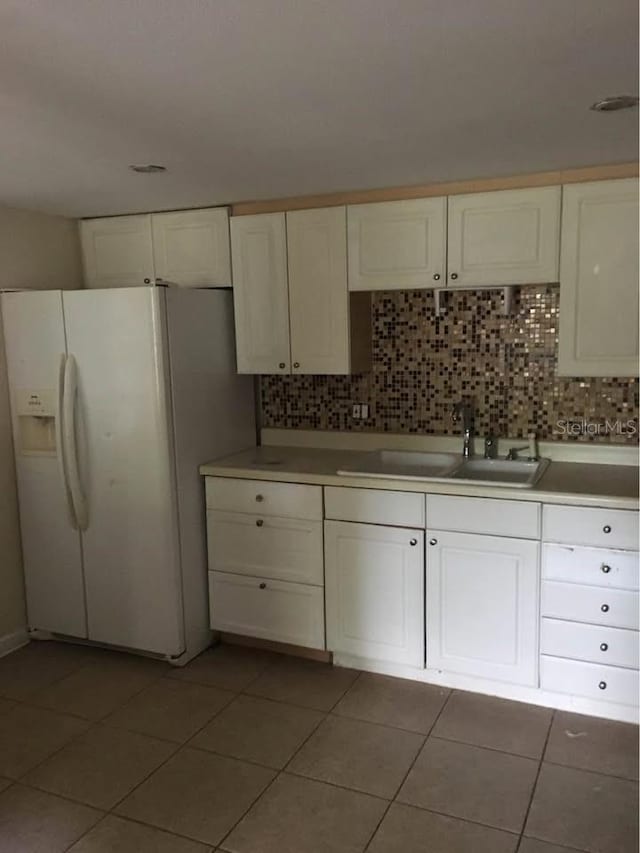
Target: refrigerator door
<point x="36" y="353"/>
<point x="125" y="466"/>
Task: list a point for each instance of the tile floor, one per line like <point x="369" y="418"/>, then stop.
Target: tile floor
<point x="250" y="752"/>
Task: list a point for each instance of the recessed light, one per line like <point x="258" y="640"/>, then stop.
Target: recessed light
<point x="615" y="102"/>
<point x="148" y="169"/>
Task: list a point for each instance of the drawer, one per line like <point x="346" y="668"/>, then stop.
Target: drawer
<point x="287" y="549"/>
<point x="593" y="566"/>
<point x="287" y="500"/>
<point x="520" y="519"/>
<point x="604" y="528"/>
<point x="615" y="607"/>
<point x="373" y="506"/>
<point x="273" y="610"/>
<point x="609" y="683"/>
<point x="595" y="643"/>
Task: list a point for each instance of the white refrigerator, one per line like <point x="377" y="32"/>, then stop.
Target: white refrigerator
<point x="117" y="396"/>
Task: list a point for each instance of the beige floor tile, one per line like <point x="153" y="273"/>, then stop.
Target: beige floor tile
<point x="36" y="666"/>
<point x="28" y="735"/>
<point x="407" y="829"/>
<point x="35" y="822"/>
<point x="532" y="845"/>
<point x="472" y="783"/>
<point x="171" y="709"/>
<point x="393" y="702"/>
<point x="303" y="682"/>
<point x="364" y="756"/>
<point x="259" y="730"/>
<point x="225" y="666"/>
<point x="116" y="835"/>
<point x="6" y="705"/>
<point x="589" y="811"/>
<point x="96" y="690"/>
<point x="101" y="767"/>
<point x="306" y="817"/>
<point x="495" y="723"/>
<point x="589" y="743"/>
<point x="197" y="794"/>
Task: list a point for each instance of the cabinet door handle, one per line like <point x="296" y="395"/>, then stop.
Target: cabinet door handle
<point x="413" y="542"/>
<point x="296" y="364"/>
<point x="602" y="685"/>
<point x="605" y="608"/>
<point x="263" y="585"/>
<point x="282" y="365"/>
<point x="147" y="281"/>
<point x="259" y="498"/>
<point x="433" y="541"/>
<point x="606" y="528"/>
<point x="605" y="568"/>
<point x="604" y="647"/>
<point x="259" y="522"/>
<point x="436" y="276"/>
<point x="453" y="276"/>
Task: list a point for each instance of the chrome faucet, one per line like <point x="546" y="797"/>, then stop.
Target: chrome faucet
<point x="464" y="411"/>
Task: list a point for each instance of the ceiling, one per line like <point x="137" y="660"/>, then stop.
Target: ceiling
<point x="249" y="99"/>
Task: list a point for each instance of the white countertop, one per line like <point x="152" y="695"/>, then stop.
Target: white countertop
<point x="576" y="483"/>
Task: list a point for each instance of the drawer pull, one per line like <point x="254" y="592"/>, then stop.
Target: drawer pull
<point x="605" y="568"/>
<point x="282" y="365"/>
<point x="606" y="528"/>
<point x="413" y="542"/>
<point x="259" y="522"/>
<point x="605" y="608"/>
<point x="259" y="498"/>
<point x="263" y="585"/>
<point x="433" y="541"/>
<point x="602" y="685"/>
<point x="604" y="647"/>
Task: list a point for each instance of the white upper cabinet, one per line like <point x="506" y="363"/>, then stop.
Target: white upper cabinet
<point x="599" y="280"/>
<point x="504" y="237"/>
<point x="397" y="244"/>
<point x="318" y="296"/>
<point x="191" y="247"/>
<point x="261" y="293"/>
<point x="117" y="251"/>
<point x="188" y="248"/>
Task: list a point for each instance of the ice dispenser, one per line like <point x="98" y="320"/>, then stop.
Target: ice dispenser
<point x="35" y="410"/>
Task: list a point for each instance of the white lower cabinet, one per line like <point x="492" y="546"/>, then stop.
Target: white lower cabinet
<point x="482" y="606"/>
<point x="374" y="586"/>
<point x="272" y="610"/>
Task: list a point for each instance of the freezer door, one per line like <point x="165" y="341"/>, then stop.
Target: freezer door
<point x="35" y="346"/>
<point x="130" y="536"/>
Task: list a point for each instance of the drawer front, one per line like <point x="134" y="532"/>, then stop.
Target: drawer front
<point x="614" y="607"/>
<point x="609" y="683"/>
<point x="373" y="506"/>
<point x="595" y="643"/>
<point x="273" y="610"/>
<point x="604" y="528"/>
<point x="593" y="566"/>
<point x="288" y="549"/>
<point x="288" y="500"/>
<point x="519" y="519"/>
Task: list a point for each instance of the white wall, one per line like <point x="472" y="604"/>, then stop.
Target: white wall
<point x="43" y="253"/>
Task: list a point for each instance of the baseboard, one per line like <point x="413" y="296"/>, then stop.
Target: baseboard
<point x="11" y="642"/>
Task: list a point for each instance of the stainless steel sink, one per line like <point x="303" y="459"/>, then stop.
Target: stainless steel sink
<point x="518" y="473"/>
<point x="403" y="465"/>
<point x="447" y="467"/>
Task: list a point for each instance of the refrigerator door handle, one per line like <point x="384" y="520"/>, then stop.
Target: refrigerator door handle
<point x="70" y="445"/>
<point x="62" y="466"/>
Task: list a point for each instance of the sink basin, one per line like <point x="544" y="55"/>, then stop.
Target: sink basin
<point x="501" y="472"/>
<point x="403" y="465"/>
<point x="447" y="467"/>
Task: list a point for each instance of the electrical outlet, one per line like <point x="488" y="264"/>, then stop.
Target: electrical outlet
<point x="356" y="411"/>
<point x="364" y="411"/>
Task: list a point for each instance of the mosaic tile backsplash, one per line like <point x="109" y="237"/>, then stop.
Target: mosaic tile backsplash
<point x="422" y="364"/>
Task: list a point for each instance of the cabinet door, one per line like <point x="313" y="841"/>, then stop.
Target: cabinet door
<point x="599" y="280"/>
<point x="261" y="293"/>
<point x="191" y="247"/>
<point x="482" y="606"/>
<point x="505" y="237"/>
<point x="318" y="297"/>
<point x="374" y="591"/>
<point x="397" y="244"/>
<point x="117" y="251"/>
